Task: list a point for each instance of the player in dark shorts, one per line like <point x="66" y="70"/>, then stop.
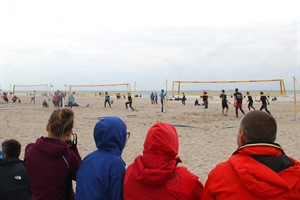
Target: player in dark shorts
<point x="225" y="102"/>
<point x="129" y="102"/>
<point x="250" y="102"/>
<point x="264" y="101"/>
<point x="238" y="102"/>
<point x="205" y="99"/>
<point x="107" y="99"/>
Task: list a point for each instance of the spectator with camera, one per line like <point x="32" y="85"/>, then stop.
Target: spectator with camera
<point x="52" y="161"/>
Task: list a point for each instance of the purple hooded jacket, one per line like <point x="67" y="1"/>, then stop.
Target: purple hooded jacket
<point x="51" y="165"/>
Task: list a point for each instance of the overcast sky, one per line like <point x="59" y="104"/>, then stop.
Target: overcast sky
<point x="148" y="42"/>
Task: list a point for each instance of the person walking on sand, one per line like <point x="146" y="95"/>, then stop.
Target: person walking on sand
<point x="107" y="99"/>
<point x="155" y="173"/>
<point x="32" y="99"/>
<point x="264" y="102"/>
<point x="152" y="97"/>
<point x="225" y="103"/>
<point x="205" y="99"/>
<point x="183" y="99"/>
<point x="238" y="102"/>
<point x="258" y="169"/>
<point x="250" y="101"/>
<point x="129" y="102"/>
<point x="55" y="99"/>
<point x="155" y="98"/>
<point x="162" y="96"/>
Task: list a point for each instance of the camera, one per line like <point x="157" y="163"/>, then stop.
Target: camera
<point x="73" y="140"/>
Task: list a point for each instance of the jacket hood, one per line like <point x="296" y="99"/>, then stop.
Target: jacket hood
<point x="263" y="181"/>
<point x="52" y="147"/>
<point x="159" y="159"/>
<point x="110" y="135"/>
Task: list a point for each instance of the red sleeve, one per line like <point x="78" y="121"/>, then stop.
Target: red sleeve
<point x="197" y="191"/>
<point x="207" y="194"/>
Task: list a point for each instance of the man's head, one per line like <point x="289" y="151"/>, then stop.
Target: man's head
<point x="11" y="149"/>
<point x="236" y="89"/>
<point x="257" y="126"/>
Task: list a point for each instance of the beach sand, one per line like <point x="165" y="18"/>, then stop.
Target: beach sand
<point x="205" y="136"/>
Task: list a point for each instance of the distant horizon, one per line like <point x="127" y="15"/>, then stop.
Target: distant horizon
<point x="253" y="85"/>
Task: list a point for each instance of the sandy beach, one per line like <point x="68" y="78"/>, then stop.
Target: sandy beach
<point x="206" y="137"/>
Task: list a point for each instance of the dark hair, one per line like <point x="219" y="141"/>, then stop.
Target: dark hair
<point x="61" y="121"/>
<point x="12" y="148"/>
<point x="259" y="126"/>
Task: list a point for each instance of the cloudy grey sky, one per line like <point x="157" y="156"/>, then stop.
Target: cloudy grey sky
<point x="148" y="42"/>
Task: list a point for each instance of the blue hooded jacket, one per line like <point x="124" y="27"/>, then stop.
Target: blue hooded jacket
<point x="101" y="173"/>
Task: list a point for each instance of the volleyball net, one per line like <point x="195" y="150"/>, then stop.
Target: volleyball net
<point x="43" y="89"/>
<point x="271" y="87"/>
<point x="119" y="89"/>
<point x="296" y="101"/>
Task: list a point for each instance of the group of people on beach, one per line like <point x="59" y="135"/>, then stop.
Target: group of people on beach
<point x="238" y="102"/>
<point x="258" y="169"/>
<point x="14" y="99"/>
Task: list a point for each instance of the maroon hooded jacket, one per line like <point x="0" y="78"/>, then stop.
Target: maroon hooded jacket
<point x="51" y="165"/>
<point x="155" y="174"/>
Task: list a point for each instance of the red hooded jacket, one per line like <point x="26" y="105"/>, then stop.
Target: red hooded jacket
<point x="155" y="174"/>
<point x="255" y="172"/>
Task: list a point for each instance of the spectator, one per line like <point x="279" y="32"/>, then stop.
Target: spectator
<point x="71" y="101"/>
<point x="162" y="96"/>
<point x="205" y="99"/>
<point x="155" y="174"/>
<point x="101" y="173"/>
<point x="52" y="162"/>
<point x="14" y="182"/>
<point x="45" y="104"/>
<point x="258" y="169"/>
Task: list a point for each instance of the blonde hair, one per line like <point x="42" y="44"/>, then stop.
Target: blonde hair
<point x="61" y="122"/>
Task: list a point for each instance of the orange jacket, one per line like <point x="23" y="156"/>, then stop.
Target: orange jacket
<point x="244" y="176"/>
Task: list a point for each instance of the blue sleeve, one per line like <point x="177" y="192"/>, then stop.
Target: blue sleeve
<point x="116" y="189"/>
<point x="116" y="184"/>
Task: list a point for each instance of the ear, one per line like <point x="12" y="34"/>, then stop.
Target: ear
<point x="48" y="127"/>
<point x="69" y="133"/>
<point x="241" y="138"/>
